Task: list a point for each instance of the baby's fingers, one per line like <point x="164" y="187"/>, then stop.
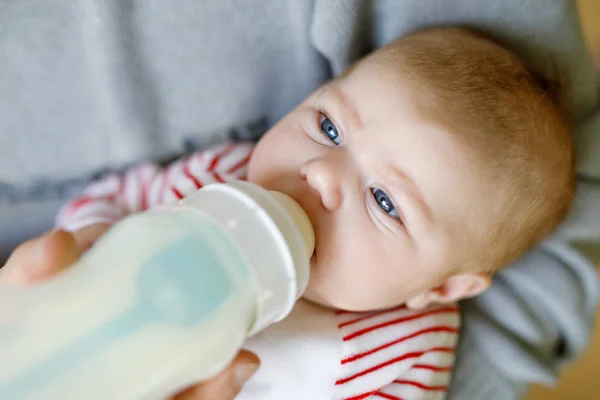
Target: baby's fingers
<point x="40" y="258"/>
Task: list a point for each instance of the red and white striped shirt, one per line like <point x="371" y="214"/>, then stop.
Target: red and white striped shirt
<point x="393" y="354"/>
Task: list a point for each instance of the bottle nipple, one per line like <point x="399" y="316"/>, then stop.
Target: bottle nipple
<point x="276" y="235"/>
<point x="300" y="218"/>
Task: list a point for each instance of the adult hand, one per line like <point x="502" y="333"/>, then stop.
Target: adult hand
<point x="45" y="256"/>
<point x="227" y="384"/>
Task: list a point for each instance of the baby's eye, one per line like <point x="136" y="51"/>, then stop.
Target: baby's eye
<point x="385" y="203"/>
<point x="329" y="130"/>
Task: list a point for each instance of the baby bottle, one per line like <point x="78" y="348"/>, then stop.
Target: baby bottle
<point x="164" y="299"/>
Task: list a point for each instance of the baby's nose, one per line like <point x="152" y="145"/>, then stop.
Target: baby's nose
<point x="324" y="178"/>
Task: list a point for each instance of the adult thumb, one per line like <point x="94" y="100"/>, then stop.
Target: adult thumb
<point x="40" y="258"/>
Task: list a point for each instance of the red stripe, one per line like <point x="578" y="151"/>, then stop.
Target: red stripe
<point x="364" y="317"/>
<point x="188" y="173"/>
<point x="142" y="195"/>
<point x="177" y="193"/>
<point x="79" y="202"/>
<point x="163" y="185"/>
<point x="360" y="396"/>
<point x="82" y="201"/>
<point x="121" y="194"/>
<point x="434" y="329"/>
<point x="361" y="332"/>
<point x="218" y="177"/>
<point x="387" y="396"/>
<point x="432" y="368"/>
<point x="403" y="357"/>
<point x="121" y="191"/>
<point x="219" y="156"/>
<point x="420" y="385"/>
<point x="239" y="164"/>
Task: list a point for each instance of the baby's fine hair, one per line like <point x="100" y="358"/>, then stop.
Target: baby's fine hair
<point x="514" y="127"/>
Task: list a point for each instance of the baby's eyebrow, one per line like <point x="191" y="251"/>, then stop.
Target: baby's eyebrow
<point x="344" y="106"/>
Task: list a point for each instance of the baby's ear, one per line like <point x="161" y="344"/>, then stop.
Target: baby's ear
<point x="454" y="288"/>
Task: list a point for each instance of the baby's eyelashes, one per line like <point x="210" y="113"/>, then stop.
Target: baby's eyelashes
<point x="385" y="203"/>
<point x="329" y="130"/>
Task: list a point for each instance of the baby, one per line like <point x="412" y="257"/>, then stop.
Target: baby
<point x="424" y="168"/>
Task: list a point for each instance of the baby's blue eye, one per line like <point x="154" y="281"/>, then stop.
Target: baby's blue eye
<point x="329" y="130"/>
<point x="385" y="203"/>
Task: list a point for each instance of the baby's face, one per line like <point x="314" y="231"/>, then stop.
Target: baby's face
<point x="383" y="183"/>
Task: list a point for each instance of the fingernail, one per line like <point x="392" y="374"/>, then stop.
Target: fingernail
<point x="243" y="372"/>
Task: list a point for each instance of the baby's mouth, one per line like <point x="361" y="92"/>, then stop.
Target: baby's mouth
<point x="313" y="259"/>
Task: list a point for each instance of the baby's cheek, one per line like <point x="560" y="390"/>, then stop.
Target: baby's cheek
<point x="327" y="289"/>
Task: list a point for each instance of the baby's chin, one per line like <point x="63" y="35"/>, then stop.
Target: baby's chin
<point x="318" y="300"/>
<point x="333" y="298"/>
<point x="345" y="303"/>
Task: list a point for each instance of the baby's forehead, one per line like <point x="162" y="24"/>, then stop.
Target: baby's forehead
<point x="505" y="157"/>
<point x="441" y="60"/>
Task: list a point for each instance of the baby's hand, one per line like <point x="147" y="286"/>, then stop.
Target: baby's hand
<point x="42" y="257"/>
